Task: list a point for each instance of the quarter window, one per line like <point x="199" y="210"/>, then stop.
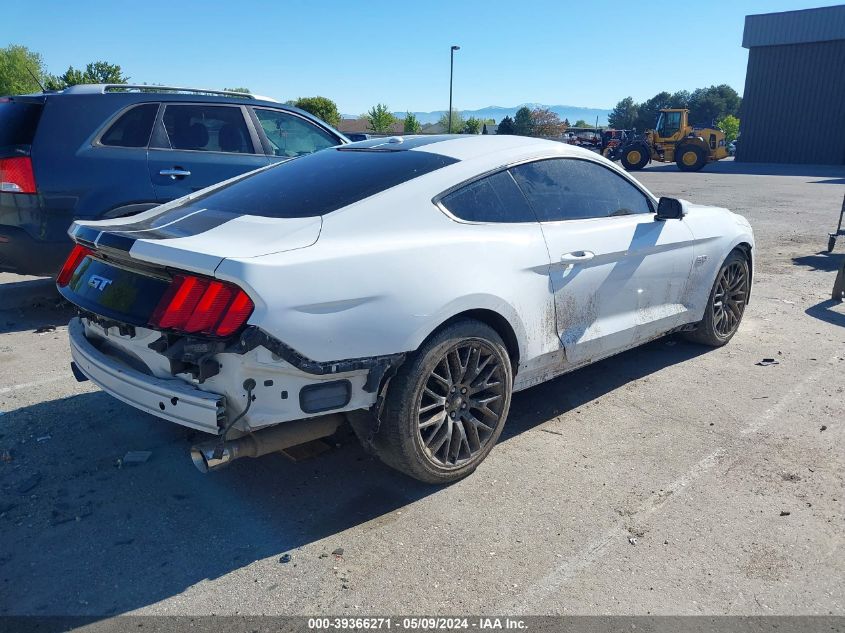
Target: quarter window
<point x="291" y="135"/>
<point x="494" y="198"/>
<point x="207" y="128"/>
<point x="133" y="128"/>
<point x="572" y="189"/>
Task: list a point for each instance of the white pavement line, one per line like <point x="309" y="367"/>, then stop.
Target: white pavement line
<point x="531" y="599"/>
<point x="37" y="383"/>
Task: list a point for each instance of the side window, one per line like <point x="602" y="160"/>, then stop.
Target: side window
<point x="572" y="189"/>
<point x="207" y="128"/>
<point x="133" y="128"/>
<point x="495" y="198"/>
<point x="291" y="136"/>
<point x="671" y="124"/>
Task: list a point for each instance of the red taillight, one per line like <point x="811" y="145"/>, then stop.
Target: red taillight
<point x="16" y="175"/>
<point x="198" y="305"/>
<point x="71" y="263"/>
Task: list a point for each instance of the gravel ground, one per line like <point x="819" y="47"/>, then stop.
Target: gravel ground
<point x="672" y="479"/>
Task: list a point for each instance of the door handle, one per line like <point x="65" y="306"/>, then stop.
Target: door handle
<point x="577" y="256"/>
<point x="174" y="173"/>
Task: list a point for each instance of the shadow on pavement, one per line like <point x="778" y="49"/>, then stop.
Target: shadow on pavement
<point x="82" y="536"/>
<point x="45" y="315"/>
<point x="834" y="174"/>
<point x="823" y="261"/>
<point x="824" y="312"/>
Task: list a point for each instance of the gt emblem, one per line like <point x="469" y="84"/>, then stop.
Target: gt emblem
<point x="98" y="283"/>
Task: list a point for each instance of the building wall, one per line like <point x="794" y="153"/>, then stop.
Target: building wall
<point x="793" y="107"/>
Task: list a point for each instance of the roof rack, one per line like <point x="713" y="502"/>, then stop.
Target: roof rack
<point x="104" y="88"/>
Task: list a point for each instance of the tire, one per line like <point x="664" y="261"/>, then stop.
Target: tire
<point x="439" y="379"/>
<point x="690" y="158"/>
<point x="635" y="156"/>
<point x="721" y="320"/>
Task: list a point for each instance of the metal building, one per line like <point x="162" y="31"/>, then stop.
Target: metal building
<point x="793" y="108"/>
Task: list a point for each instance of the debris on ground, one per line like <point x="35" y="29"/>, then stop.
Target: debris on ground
<point x="767" y="361"/>
<point x="136" y="457"/>
<point x="29" y="483"/>
<point x="823" y="428"/>
<point x="45" y="328"/>
<point x="632" y="540"/>
<point x="64" y="513"/>
<point x="285" y="558"/>
<point x="338" y="552"/>
<point x="323" y="555"/>
<point x="785" y="513"/>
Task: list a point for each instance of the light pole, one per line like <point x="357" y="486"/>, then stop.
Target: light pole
<point x="451" y="74"/>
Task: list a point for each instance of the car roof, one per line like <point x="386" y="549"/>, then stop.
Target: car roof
<point x="171" y="91"/>
<point x="466" y="147"/>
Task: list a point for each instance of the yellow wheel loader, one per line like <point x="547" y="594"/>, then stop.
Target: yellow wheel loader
<point x="674" y="139"/>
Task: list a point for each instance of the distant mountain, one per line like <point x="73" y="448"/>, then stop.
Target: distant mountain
<point x="573" y="113"/>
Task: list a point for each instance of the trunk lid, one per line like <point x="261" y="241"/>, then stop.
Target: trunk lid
<point x="197" y="240"/>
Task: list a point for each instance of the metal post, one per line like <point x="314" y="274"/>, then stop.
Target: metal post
<point x="451" y="74"/>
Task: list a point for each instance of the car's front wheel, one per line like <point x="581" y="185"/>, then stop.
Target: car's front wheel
<point x="726" y="304"/>
<point x="447" y="404"/>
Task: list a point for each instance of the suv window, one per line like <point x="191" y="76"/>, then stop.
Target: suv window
<point x="494" y="198"/>
<point x="290" y="135"/>
<point x="572" y="189"/>
<point x="18" y="120"/>
<point x="207" y="128"/>
<point x="133" y="128"/>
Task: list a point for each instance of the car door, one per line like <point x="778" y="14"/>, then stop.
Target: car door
<point x="198" y="145"/>
<point x="619" y="276"/>
<point x="288" y="135"/>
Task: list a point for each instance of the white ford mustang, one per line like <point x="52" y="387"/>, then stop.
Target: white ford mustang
<point x="409" y="285"/>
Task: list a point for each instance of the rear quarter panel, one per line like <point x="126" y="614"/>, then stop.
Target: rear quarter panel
<point x="387" y="271"/>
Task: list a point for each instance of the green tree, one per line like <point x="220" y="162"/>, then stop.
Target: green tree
<point x="95" y="73"/>
<point x="321" y="107"/>
<point x="624" y="114"/>
<point x="523" y="122"/>
<point x="380" y="119"/>
<point x="679" y="99"/>
<point x="648" y="110"/>
<point x="17" y="66"/>
<point x="505" y="126"/>
<point x="472" y="126"/>
<point x="581" y="123"/>
<point x="730" y="126"/>
<point x="458" y="122"/>
<point x="707" y="105"/>
<point x="412" y="124"/>
<point x="246" y="90"/>
<point x="546" y="123"/>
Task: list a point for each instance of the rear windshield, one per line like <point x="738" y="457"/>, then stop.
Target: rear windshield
<point x="320" y="183"/>
<point x="18" y="120"/>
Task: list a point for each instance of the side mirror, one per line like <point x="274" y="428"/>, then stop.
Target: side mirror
<point x="669" y="209"/>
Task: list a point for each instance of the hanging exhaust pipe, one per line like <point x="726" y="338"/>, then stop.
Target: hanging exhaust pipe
<point x="213" y="455"/>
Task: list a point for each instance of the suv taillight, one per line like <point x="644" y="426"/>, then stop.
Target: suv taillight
<point x="71" y="263"/>
<point x="197" y="305"/>
<point x="16" y="175"/>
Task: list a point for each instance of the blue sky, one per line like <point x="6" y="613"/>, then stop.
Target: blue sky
<point x="553" y="52"/>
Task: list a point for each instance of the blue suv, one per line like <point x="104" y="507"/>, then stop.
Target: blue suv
<point x="106" y="151"/>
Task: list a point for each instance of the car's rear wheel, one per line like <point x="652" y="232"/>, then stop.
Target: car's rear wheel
<point x="447" y="404"/>
<point x="726" y="304"/>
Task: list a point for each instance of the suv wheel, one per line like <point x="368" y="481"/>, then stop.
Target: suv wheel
<point x="447" y="404"/>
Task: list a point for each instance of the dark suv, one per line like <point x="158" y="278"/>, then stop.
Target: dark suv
<point x="105" y="151"/>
